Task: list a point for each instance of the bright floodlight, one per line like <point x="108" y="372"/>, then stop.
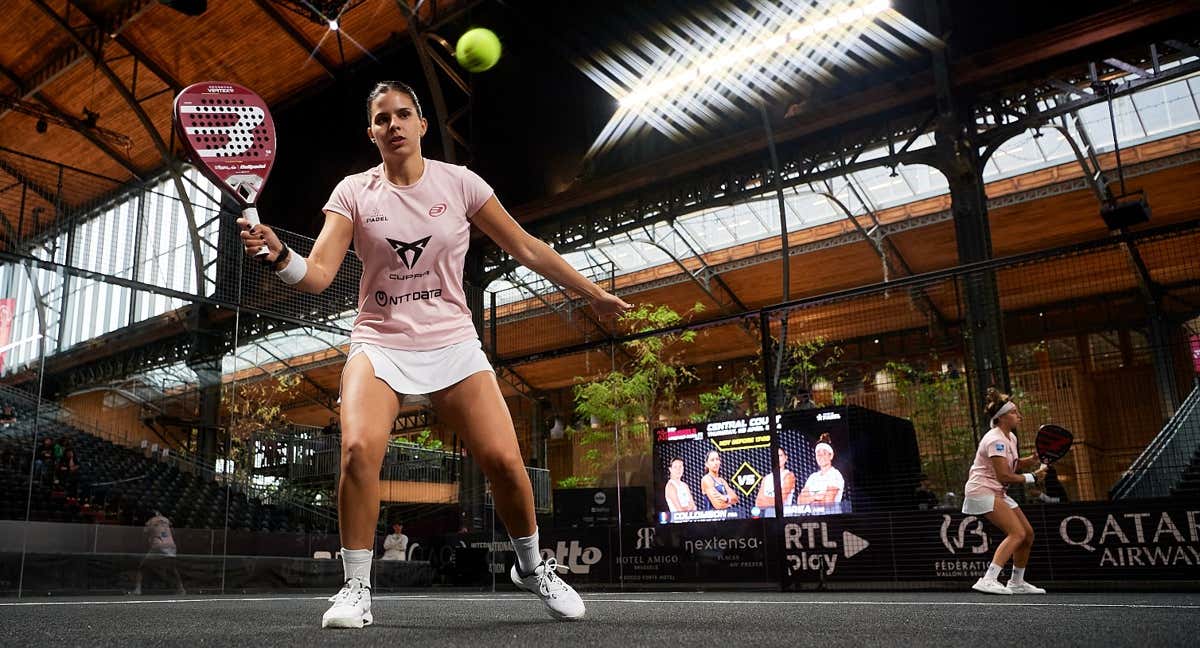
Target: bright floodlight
<point x="686" y="78"/>
<point x="333" y="25"/>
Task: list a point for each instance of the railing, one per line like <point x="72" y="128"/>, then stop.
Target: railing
<point x="543" y="497"/>
<point x="306" y="454"/>
<point x="1160" y="465"/>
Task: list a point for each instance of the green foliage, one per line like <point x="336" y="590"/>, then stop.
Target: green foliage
<point x="425" y="440"/>
<point x="811" y="361"/>
<point x="577" y="482"/>
<point x="745" y="392"/>
<point x="621" y="405"/>
<point x="940" y="415"/>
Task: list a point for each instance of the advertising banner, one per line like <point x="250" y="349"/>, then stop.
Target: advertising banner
<point x="1148" y="540"/>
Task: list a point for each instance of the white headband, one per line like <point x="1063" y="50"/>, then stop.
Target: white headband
<point x="1004" y="409"/>
<point x="825" y="446"/>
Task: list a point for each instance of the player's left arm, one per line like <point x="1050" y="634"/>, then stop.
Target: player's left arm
<point x="495" y="221"/>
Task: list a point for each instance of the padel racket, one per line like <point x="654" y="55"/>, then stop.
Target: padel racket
<point x="1053" y="441"/>
<point x="228" y="133"/>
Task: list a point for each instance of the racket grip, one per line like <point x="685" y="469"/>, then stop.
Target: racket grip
<point x="251" y="215"/>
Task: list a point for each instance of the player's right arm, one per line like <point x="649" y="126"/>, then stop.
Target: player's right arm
<point x="323" y="262"/>
<point x="1005" y="474"/>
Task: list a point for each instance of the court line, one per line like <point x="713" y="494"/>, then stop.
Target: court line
<point x="902" y="603"/>
<point x="201" y="600"/>
<point x="693" y="601"/>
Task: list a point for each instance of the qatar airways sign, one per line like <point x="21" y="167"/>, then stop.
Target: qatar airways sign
<point x="1136" y="539"/>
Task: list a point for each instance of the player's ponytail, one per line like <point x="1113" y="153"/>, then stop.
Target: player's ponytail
<point x="995" y="402"/>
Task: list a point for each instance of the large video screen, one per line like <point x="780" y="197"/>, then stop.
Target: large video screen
<point x="722" y="470"/>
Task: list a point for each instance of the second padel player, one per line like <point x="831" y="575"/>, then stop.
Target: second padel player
<point x="995" y="468"/>
<point x="410" y="219"/>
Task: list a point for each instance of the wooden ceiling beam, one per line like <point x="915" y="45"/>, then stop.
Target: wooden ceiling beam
<point x="116" y="156"/>
<point x="297" y="37"/>
<point x="160" y="145"/>
<point x="66" y="58"/>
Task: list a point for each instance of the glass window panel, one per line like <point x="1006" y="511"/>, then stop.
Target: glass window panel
<point x="1177" y="99"/>
<point x="1152" y="109"/>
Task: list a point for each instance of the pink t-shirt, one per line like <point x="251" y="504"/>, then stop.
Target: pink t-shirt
<point x="412" y="242"/>
<point x="982" y="480"/>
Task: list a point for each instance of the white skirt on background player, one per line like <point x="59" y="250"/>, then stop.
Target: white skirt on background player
<point x="418" y="373"/>
<point x="980" y="504"/>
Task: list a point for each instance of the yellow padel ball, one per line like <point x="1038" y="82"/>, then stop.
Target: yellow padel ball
<point x="478" y="49"/>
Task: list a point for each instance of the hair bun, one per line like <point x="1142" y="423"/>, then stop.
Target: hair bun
<point x="825" y="438"/>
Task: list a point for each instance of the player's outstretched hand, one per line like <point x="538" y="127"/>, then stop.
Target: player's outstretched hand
<point x="254" y="238"/>
<point x="609" y="305"/>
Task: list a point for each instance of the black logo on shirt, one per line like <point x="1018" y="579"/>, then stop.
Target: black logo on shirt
<point x="384" y="299"/>
<point x="416" y="248"/>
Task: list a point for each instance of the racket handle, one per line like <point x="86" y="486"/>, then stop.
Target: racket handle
<point x="251" y="215"/>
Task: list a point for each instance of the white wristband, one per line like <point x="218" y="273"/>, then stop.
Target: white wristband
<point x="1029" y="478"/>
<point x="294" y="271"/>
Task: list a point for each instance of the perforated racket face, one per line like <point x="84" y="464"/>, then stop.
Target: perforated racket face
<point x="229" y="134"/>
<point x="1053" y="442"/>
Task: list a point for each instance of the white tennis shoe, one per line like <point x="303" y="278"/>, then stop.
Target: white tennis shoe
<point x="351" y="606"/>
<point x="561" y="600"/>
<point x="990" y="586"/>
<point x="1024" y="588"/>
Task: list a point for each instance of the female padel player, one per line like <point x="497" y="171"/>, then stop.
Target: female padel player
<point x="996" y="465"/>
<point x="410" y="219"/>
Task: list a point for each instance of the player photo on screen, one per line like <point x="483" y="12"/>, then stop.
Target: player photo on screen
<point x="816" y="449"/>
<point x="711" y="471"/>
<point x="721" y="470"/>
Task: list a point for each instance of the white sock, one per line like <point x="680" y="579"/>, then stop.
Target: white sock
<point x="357" y="563"/>
<point x="1018" y="576"/>
<point x="993" y="571"/>
<point x="529" y="554"/>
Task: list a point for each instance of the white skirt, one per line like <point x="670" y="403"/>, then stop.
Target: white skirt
<point x="980" y="504"/>
<point x="414" y="374"/>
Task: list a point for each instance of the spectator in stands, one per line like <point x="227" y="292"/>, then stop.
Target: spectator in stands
<point x="395" y="546"/>
<point x="160" y="556"/>
<point x="10" y="461"/>
<point x="60" y="447"/>
<point x="926" y="499"/>
<point x="334" y="428"/>
<point x="68" y="472"/>
<point x="8" y="416"/>
<point x="43" y="463"/>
